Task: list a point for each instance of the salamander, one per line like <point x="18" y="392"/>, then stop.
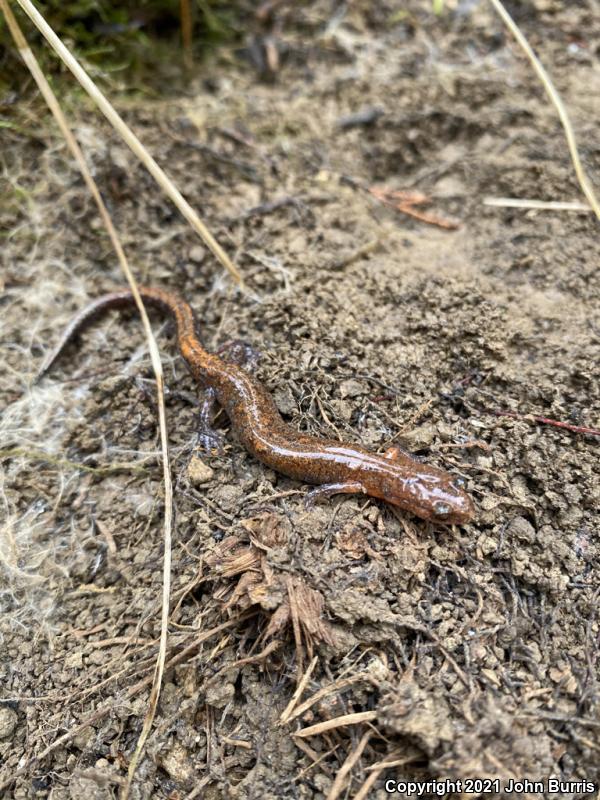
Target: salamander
<point x="335" y="467"/>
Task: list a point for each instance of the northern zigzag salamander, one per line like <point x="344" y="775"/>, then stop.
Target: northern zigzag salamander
<point x="427" y="492"/>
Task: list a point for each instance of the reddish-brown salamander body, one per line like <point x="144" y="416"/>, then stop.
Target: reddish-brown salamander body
<point x="395" y="477"/>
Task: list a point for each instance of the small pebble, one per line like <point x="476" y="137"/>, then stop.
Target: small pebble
<point x="198" y="472"/>
<point x="8" y="722"/>
<point x="197" y="254"/>
<point x="351" y="388"/>
<point x="177" y="763"/>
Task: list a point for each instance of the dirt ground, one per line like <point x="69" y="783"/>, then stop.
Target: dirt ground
<point x="466" y="652"/>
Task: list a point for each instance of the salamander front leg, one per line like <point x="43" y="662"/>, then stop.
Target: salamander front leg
<point x="329" y="489"/>
<point x="241" y="354"/>
<point x="208" y="438"/>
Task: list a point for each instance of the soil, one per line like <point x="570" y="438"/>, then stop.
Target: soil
<point x="466" y="652"/>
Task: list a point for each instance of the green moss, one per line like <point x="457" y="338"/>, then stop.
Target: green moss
<point x="141" y="41"/>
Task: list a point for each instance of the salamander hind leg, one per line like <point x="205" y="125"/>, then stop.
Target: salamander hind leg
<point x="329" y="489"/>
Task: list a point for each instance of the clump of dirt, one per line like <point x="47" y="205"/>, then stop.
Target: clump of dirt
<point x="427" y="652"/>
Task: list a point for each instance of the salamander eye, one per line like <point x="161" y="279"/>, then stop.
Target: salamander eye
<point x="441" y="509"/>
<point x="458" y="482"/>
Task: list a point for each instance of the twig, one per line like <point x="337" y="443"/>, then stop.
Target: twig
<point x="405" y="202"/>
<point x="501" y="412"/>
<point x="586" y="186"/>
<point x="130" y="138"/>
<point x="544" y="421"/>
<point x="185" y="14"/>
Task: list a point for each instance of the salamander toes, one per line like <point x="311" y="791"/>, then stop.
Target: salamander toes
<point x="209" y="441"/>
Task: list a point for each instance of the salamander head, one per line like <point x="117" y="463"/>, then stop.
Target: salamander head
<point x="455" y="507"/>
<point x="431" y="494"/>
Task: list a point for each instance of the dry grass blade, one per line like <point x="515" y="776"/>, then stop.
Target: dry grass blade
<point x="337" y="686"/>
<point x="130" y="138"/>
<point x="365" y="789"/>
<point x="298" y="693"/>
<point x="154" y="696"/>
<point x="340" y="778"/>
<point x="375" y="771"/>
<point x="535" y="205"/>
<point x="391" y="763"/>
<point x="586" y="186"/>
<point x="337" y="722"/>
<point x="50" y="98"/>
